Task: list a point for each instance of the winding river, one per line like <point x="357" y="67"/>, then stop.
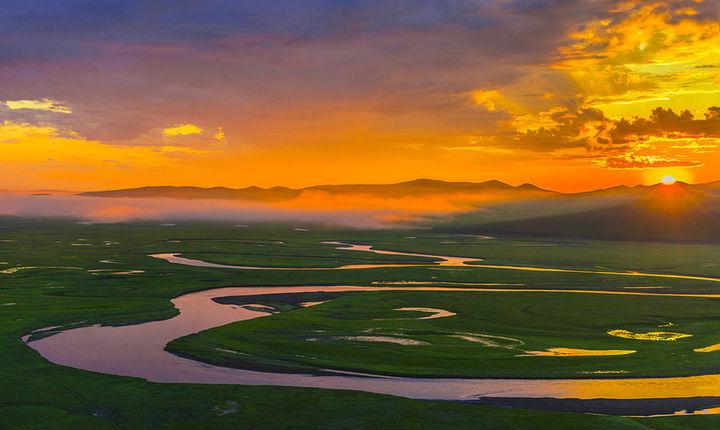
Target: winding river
<point x="440" y="260"/>
<point x="138" y="351"/>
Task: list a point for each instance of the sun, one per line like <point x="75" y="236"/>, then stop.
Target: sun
<point x="668" y="180"/>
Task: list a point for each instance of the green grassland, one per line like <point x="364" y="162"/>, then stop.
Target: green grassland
<point x="539" y="321"/>
<point x="56" y="288"/>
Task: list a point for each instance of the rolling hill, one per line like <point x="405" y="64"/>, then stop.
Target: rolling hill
<point x="677" y="212"/>
<point x="418" y="187"/>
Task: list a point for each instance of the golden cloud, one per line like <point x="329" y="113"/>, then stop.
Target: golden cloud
<point x="39" y="104"/>
<point x="590" y="128"/>
<point x="487" y="99"/>
<point x="183" y="129"/>
<point x="27" y="144"/>
<point x="627" y="90"/>
<point x="646" y="52"/>
<point x="637" y="162"/>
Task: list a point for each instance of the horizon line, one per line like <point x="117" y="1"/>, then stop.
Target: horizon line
<point x="51" y="190"/>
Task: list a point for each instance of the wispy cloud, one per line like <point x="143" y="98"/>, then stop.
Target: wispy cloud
<point x="637" y="162"/>
<point x="53" y="153"/>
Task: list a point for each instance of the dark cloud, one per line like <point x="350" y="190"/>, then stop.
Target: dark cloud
<point x="584" y="127"/>
<point x="638" y="162"/>
<point x="668" y="123"/>
<point x="51" y="29"/>
<point x="590" y="128"/>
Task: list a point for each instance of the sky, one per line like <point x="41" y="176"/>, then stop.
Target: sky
<point x="568" y="95"/>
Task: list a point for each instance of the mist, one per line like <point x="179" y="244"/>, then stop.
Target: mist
<point x="114" y="210"/>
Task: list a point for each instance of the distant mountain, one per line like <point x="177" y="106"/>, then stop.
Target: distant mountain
<point x="678" y="212"/>
<point x="249" y="193"/>
<point x="419" y="187"/>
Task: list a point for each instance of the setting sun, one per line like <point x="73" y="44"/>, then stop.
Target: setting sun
<point x="668" y="180"/>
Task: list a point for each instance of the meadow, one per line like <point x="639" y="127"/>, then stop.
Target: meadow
<point x="70" y="274"/>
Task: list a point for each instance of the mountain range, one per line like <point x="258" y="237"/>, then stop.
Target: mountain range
<point x="418" y="187"/>
<point x="677" y="212"/>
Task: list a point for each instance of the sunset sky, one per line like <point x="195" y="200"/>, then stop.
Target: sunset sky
<point x="569" y="95"/>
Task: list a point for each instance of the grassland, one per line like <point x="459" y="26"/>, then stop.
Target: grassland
<point x="54" y="286"/>
<point x="489" y="337"/>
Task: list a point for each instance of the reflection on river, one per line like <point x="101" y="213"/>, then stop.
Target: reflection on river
<point x="138" y="350"/>
<point x="440" y="260"/>
<point x="443" y="260"/>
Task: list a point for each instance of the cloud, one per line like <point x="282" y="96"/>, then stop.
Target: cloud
<point x="697" y="145"/>
<point x="183" y="129"/>
<point x="282" y="66"/>
<point x="590" y="128"/>
<point x="360" y="80"/>
<point x="663" y="139"/>
<point x="646" y="51"/>
<point x="39" y="104"/>
<point x="626" y="89"/>
<point x="487" y="98"/>
<point x="480" y="148"/>
<point x="563" y="128"/>
<point x="668" y="123"/>
<point x="636" y="162"/>
<point x="187" y="135"/>
<point x="63" y="153"/>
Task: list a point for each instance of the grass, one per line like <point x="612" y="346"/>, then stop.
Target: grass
<point x="538" y="321"/>
<point x="40" y="395"/>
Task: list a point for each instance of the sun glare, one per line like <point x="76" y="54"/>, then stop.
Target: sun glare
<point x="668" y="180"/>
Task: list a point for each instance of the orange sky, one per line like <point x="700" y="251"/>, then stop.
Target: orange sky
<point x="566" y="97"/>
